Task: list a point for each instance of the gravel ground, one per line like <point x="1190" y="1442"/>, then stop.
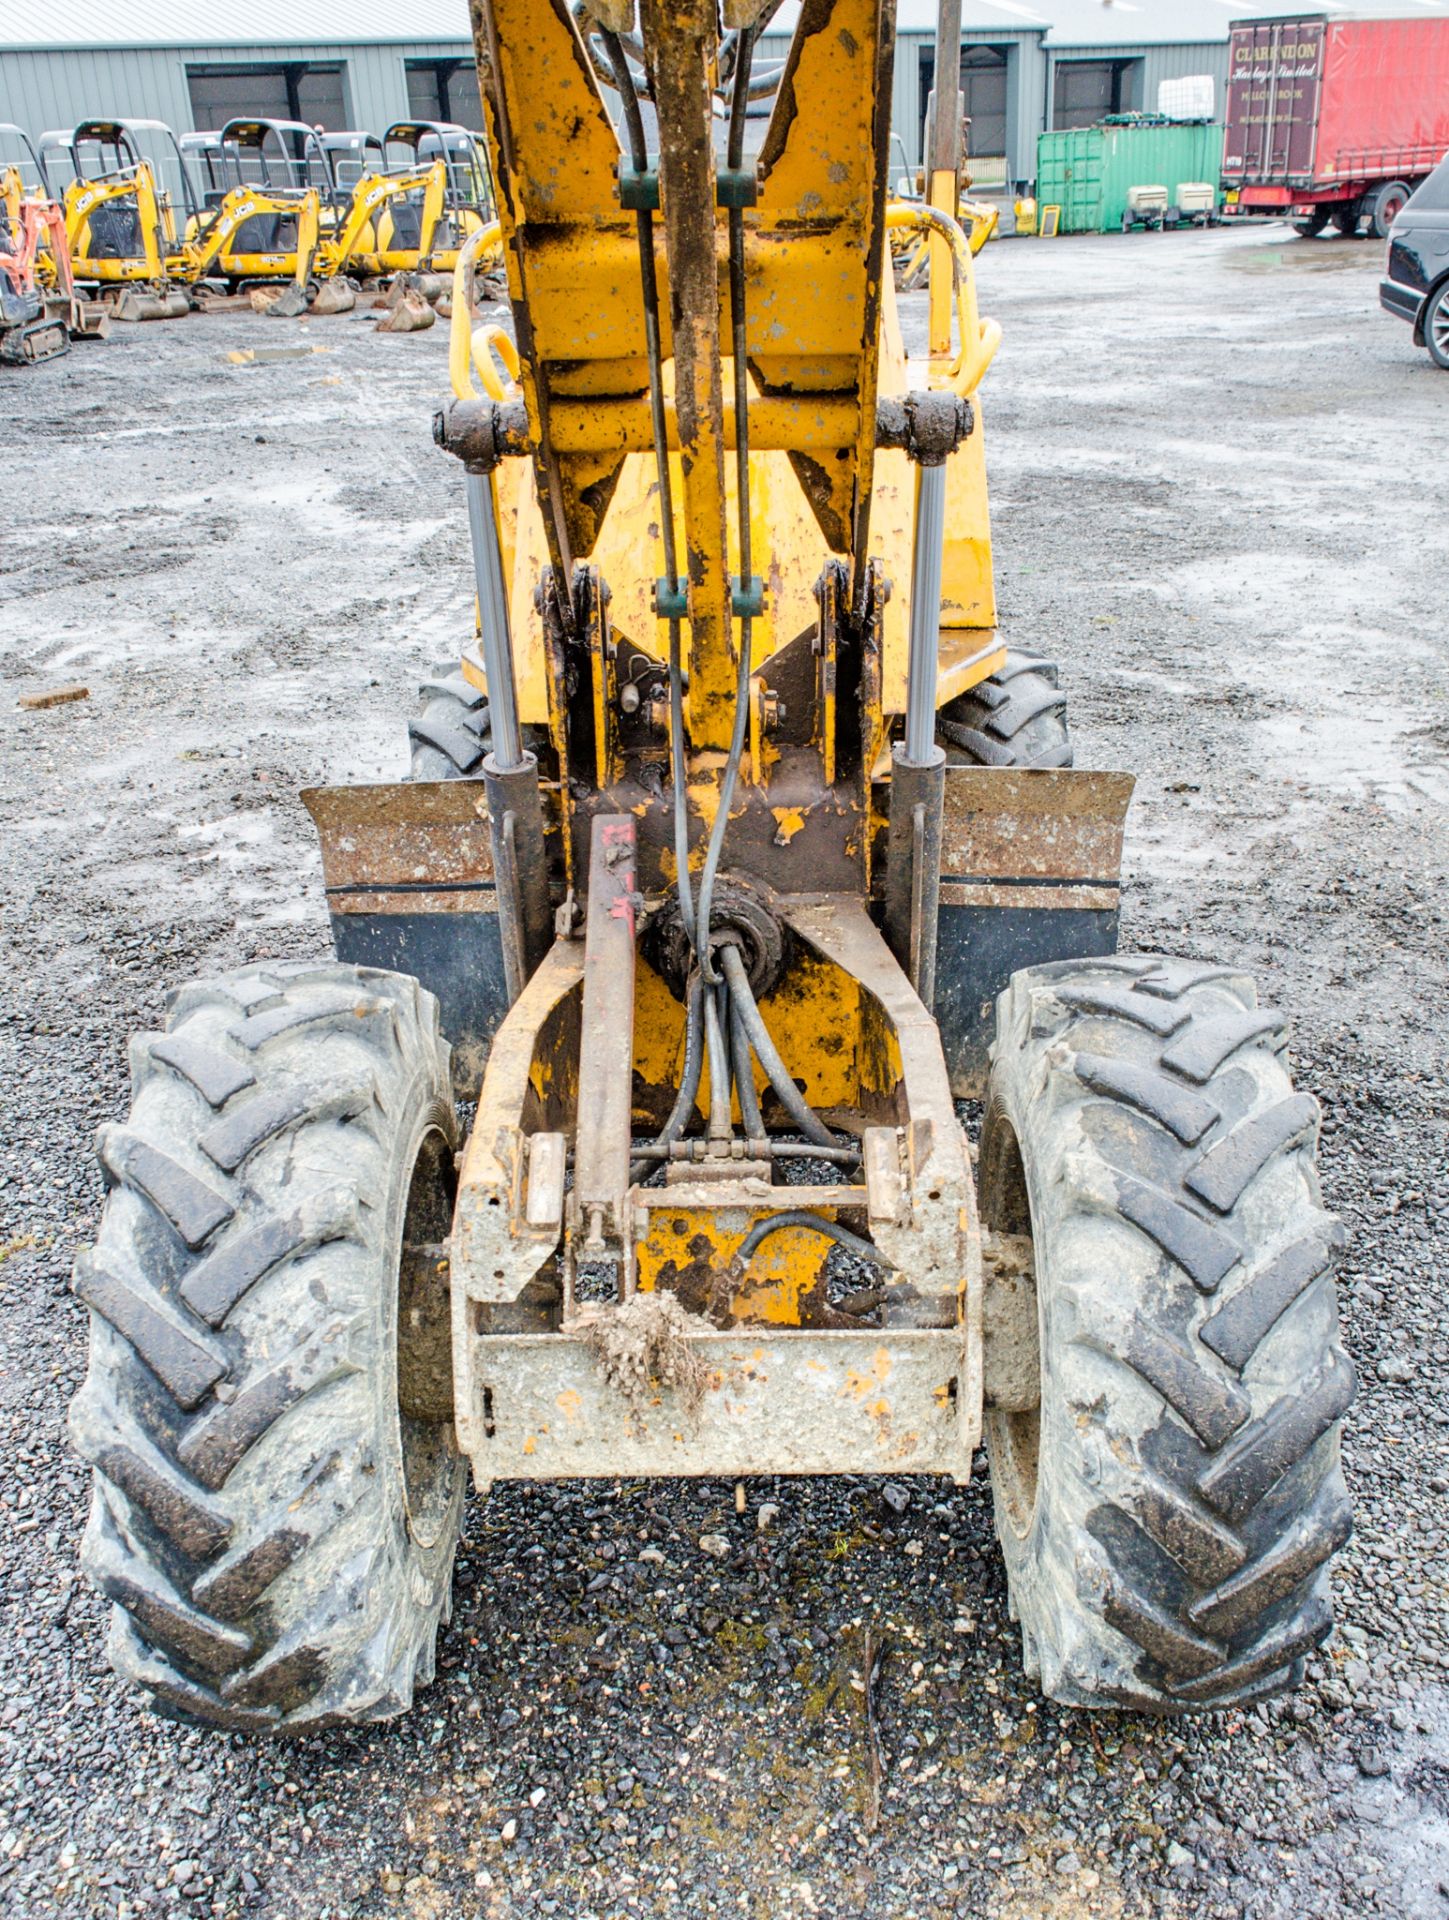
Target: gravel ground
<point x="1219" y="490"/>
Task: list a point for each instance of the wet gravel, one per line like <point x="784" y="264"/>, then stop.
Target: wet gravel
<point x="1219" y="489"/>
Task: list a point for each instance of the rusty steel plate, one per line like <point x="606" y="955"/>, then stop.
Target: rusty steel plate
<point x="867" y="1401"/>
<point x="1063" y="825"/>
<point x="414" y="846"/>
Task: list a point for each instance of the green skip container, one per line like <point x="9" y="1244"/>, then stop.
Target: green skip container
<point x="1087" y="171"/>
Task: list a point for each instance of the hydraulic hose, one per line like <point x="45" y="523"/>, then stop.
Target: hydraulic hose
<point x="788" y="1094"/>
<point x="735" y="156"/>
<point x="816" y="1223"/>
<point x="649" y="279"/>
<point x="684" y="1100"/>
<point x="744" y="1075"/>
<point x="720" y="1126"/>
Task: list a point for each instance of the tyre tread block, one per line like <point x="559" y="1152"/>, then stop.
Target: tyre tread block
<point x="181" y="1360"/>
<point x="158" y="1610"/>
<point x="228" y="1273"/>
<point x="1236" y="1329"/>
<point x="238" y="1134"/>
<point x="1019" y="662"/>
<point x="457" y="687"/>
<point x="244" y="995"/>
<point x="183" y="1514"/>
<point x="295" y="1664"/>
<point x="1204" y="1252"/>
<point x="215" y="1443"/>
<point x="1313" y="1538"/>
<point x="176" y="1692"/>
<point x="1020" y="709"/>
<point x="1223" y="1174"/>
<point x="214" y="1074"/>
<point x="1176" y="1648"/>
<point x="1125" y="1003"/>
<point x="303" y="1010"/>
<point x="1280" y="1650"/>
<point x="1170" y="979"/>
<point x="232" y="1587"/>
<point x="194" y="1209"/>
<point x="1260" y="1457"/>
<point x="1201" y="1546"/>
<point x="1185" y="1114"/>
<point x="456" y="744"/>
<point x="1213" y="1408"/>
<point x="1198" y="1053"/>
<point x="989" y="752"/>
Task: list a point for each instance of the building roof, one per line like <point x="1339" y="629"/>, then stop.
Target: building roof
<point x="1105" y="23"/>
<point x="203" y="23"/>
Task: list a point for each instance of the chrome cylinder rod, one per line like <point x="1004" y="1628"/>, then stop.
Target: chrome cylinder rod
<point x="493" y="622"/>
<point x="925" y="629"/>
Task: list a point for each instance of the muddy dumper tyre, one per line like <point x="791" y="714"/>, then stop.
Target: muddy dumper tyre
<point x="451" y="735"/>
<point x="268" y="1406"/>
<point x="1016" y="718"/>
<point x="1169" y="1510"/>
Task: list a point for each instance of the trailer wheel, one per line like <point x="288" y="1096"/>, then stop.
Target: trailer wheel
<point x="1169" y="1508"/>
<point x="1310" y="228"/>
<point x="1016" y="718"/>
<point x="1346" y="219"/>
<point x="1436" y="326"/>
<point x="268" y="1405"/>
<point x="451" y="735"/>
<point x="1384" y="206"/>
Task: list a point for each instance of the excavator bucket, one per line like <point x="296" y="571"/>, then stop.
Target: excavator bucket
<point x="289" y="304"/>
<point x="336" y="295"/>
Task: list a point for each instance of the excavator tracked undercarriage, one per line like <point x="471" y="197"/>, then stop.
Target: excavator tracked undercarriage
<point x="739" y="848"/>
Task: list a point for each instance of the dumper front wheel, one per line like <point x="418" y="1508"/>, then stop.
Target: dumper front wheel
<point x="451" y="735"/>
<point x="1016" y="718"/>
<point x="268" y="1406"/>
<point x="1169" y="1508"/>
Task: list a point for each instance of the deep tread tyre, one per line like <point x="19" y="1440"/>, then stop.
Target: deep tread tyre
<point x="1346" y="219"/>
<point x="276" y="1534"/>
<point x="1016" y="718"/>
<point x="451" y="735"/>
<point x="1310" y="227"/>
<point x="1436" y="327"/>
<point x="1169" y="1512"/>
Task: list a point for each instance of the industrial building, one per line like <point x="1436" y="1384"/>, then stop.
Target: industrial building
<point x="1026" y="65"/>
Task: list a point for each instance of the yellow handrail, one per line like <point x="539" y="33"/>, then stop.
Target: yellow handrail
<point x="472" y="350"/>
<point x="979" y="338"/>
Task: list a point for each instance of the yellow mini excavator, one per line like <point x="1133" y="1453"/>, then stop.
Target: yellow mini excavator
<point x="405" y="242"/>
<point x="143" y="236"/>
<point x="739" y="849"/>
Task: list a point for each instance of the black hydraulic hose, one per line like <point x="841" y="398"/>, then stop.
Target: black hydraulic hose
<point x="720" y="1126"/>
<point x="767" y="83"/>
<point x="751" y="1119"/>
<point x="788" y="1094"/>
<point x="817" y="1223"/>
<point x="644" y="229"/>
<point x="689" y="1079"/>
<point x="734" y="159"/>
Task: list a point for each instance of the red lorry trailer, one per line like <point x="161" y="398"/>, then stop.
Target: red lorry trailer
<point x="1334" y="119"/>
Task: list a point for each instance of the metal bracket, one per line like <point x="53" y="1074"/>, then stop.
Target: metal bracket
<point x="671" y="603"/>
<point x="638" y="189"/>
<point x="747" y="603"/>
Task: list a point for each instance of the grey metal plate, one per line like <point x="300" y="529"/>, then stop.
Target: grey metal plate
<point x="777" y="1401"/>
